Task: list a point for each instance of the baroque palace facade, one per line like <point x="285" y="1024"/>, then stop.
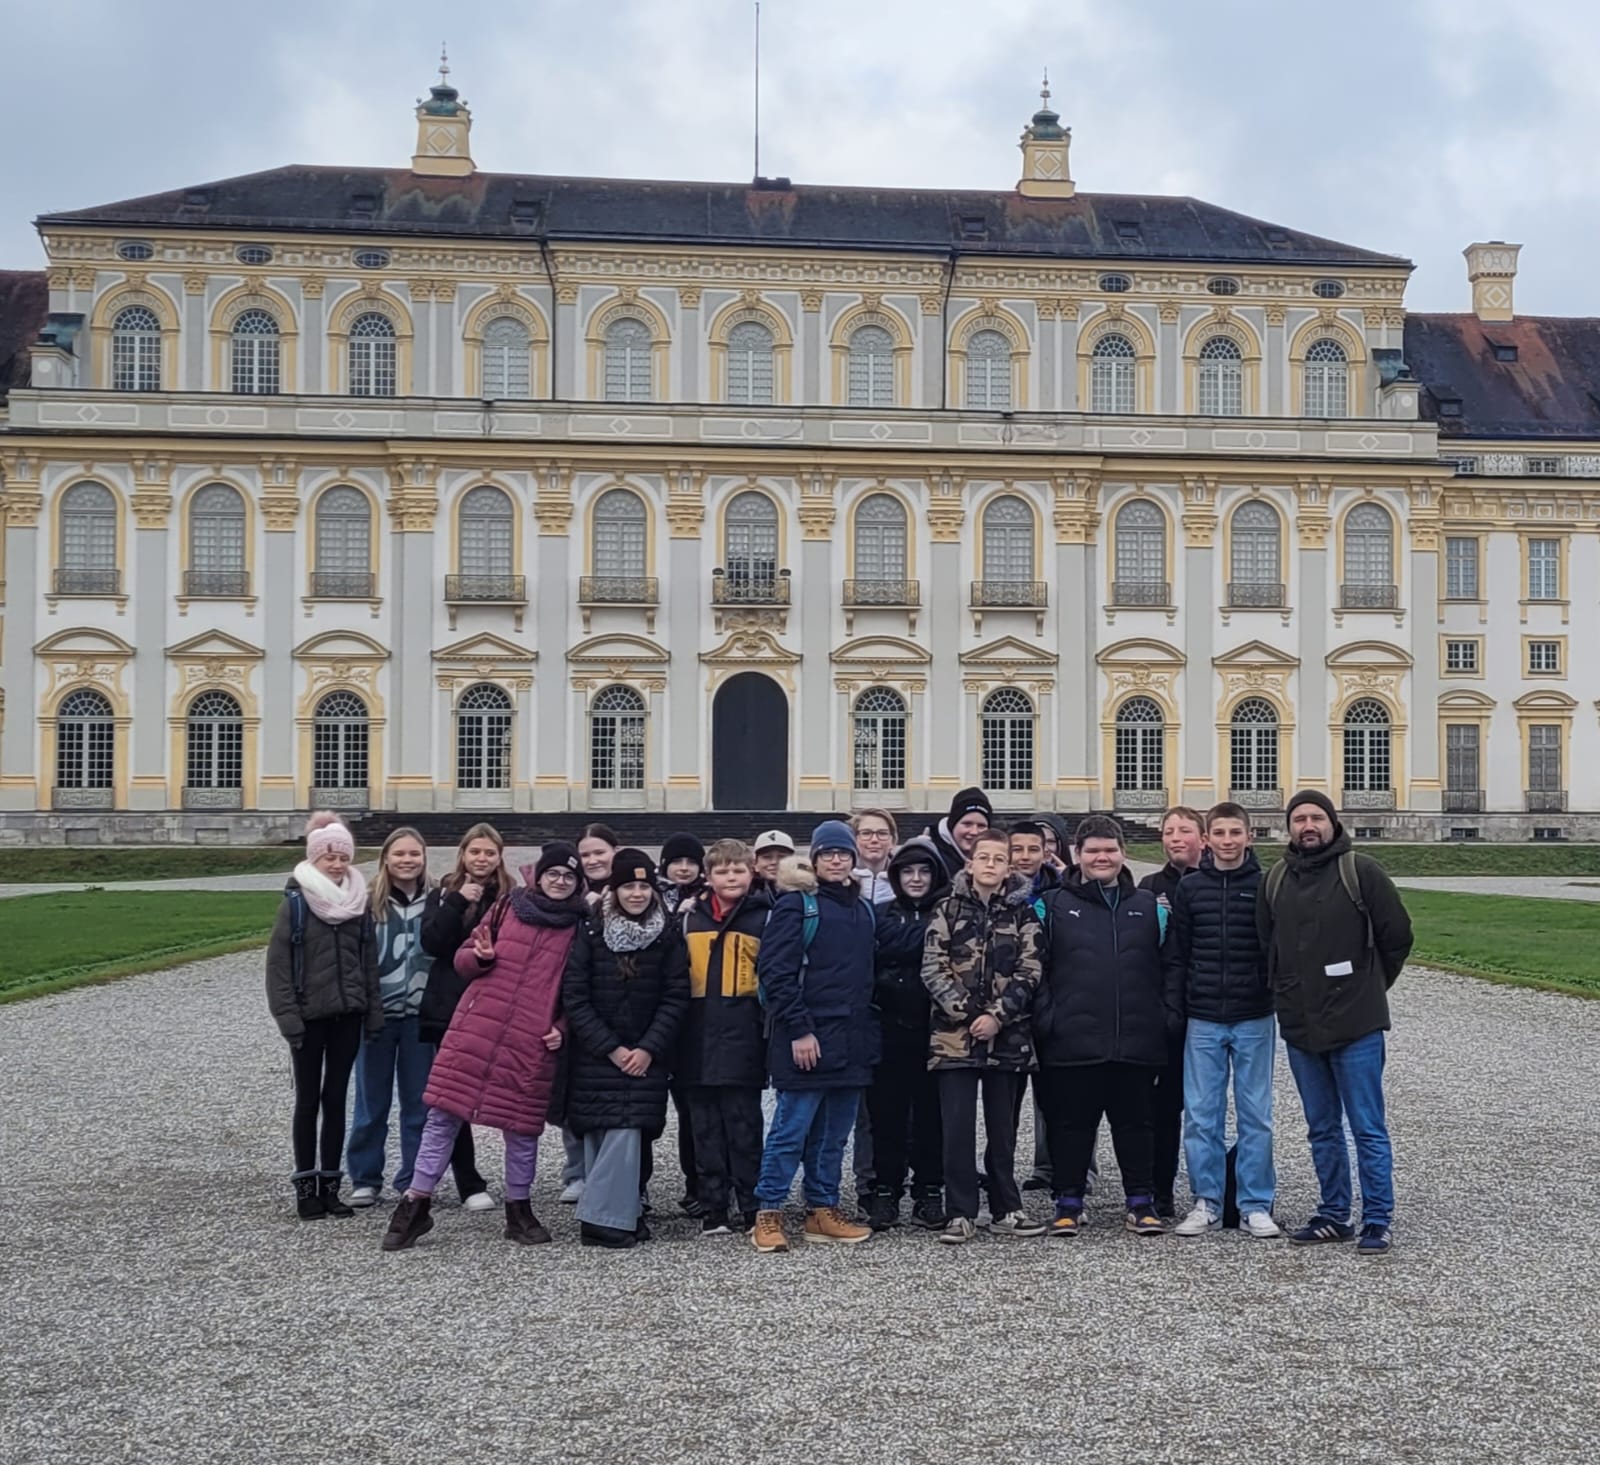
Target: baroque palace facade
<point x="433" y="490"/>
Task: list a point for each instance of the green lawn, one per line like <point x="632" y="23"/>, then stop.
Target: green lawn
<point x="1450" y="859"/>
<point x="30" y="864"/>
<point x="52" y="942"/>
<point x="1530" y="943"/>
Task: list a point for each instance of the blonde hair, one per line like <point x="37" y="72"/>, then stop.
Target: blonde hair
<point x="458" y="876"/>
<point x="728" y="852"/>
<point x="884" y="814"/>
<point x="381" y="884"/>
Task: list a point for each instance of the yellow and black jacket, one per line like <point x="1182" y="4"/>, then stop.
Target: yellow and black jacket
<point x="723" y="1044"/>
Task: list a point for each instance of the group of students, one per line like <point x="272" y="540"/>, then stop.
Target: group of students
<point x="886" y="992"/>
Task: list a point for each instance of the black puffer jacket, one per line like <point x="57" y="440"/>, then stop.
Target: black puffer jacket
<point x="447" y="925"/>
<point x="621" y="999"/>
<point x="1213" y="943"/>
<point x="902" y="931"/>
<point x="338" y="971"/>
<point x="1105" y="997"/>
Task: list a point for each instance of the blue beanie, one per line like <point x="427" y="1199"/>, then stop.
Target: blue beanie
<point x="833" y="834"/>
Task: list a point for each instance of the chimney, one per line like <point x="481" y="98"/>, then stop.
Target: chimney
<point x="444" y="126"/>
<point x="1491" y="269"/>
<point x="1045" y="144"/>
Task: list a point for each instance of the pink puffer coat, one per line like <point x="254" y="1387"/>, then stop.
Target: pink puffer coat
<point x="493" y="1067"/>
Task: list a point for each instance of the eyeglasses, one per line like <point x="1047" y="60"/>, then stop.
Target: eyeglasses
<point x="559" y="875"/>
<point x="836" y="854"/>
<point x="872" y="834"/>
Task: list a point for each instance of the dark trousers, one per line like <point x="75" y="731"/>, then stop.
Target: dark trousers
<point x="1075" y="1100"/>
<point x="959" y="1090"/>
<point x="686" y="1163"/>
<point x="322" y="1065"/>
<point x="1167" y="1117"/>
<point x="726" y="1149"/>
<point x="904" y="1104"/>
<point x="464" y="1164"/>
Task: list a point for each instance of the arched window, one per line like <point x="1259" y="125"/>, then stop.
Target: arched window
<point x="1111" y="379"/>
<point x="483" y="738"/>
<point x="88" y="542"/>
<point x="214" y="750"/>
<point x="1369" y="559"/>
<point x="750" y="363"/>
<point x="617" y="742"/>
<point x="1257" y="556"/>
<point x="1327" y="380"/>
<point x="1253" y="750"/>
<point x="136" y="351"/>
<point x="488" y="524"/>
<point x="1141" y="555"/>
<point x="881" y="548"/>
<point x="628" y="360"/>
<point x="880" y="742"/>
<point x="1141" y="754"/>
<point x="216" y="543"/>
<point x="621" y="534"/>
<point x="507" y="358"/>
<point x="255" y="351"/>
<point x="86" y="747"/>
<point x="989" y="372"/>
<point x="339" y="741"/>
<point x="1006" y="738"/>
<point x="373" y="371"/>
<point x="871" y="367"/>
<point x="1368" y="765"/>
<point x="750" y="556"/>
<point x="1008" y="541"/>
<point x="343" y="545"/>
<point x="1221" y="379"/>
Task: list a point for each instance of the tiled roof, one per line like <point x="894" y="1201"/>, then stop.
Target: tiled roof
<point x="24" y="303"/>
<point x="504" y="205"/>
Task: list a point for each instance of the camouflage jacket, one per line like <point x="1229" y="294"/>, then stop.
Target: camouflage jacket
<point x="982" y="958"/>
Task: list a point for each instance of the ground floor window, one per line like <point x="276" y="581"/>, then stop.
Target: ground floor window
<point x="1007" y="736"/>
<point x="483" y="738"/>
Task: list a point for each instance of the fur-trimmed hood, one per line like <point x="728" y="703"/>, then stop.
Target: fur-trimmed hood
<point x="795" y="872"/>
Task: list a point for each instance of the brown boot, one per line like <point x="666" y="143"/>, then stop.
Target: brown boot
<point x="767" y="1233"/>
<point x="522" y="1226"/>
<point x="829" y="1223"/>
<point x="409" y="1221"/>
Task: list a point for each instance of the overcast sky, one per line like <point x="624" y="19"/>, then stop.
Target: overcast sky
<point x="1408" y="126"/>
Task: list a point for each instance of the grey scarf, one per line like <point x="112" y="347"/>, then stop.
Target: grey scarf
<point x="623" y="932"/>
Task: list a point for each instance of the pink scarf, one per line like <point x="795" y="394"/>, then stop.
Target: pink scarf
<point x="333" y="904"/>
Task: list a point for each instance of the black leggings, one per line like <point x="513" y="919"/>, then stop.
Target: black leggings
<point x="322" y="1065"/>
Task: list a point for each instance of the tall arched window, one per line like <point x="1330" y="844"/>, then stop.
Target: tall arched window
<point x="989" y="372"/>
<point x="213" y="752"/>
<point x="871" y="363"/>
<point x="88" y="542"/>
<point x="1141" y="555"/>
<point x="628" y="351"/>
<point x="750" y="364"/>
<point x="488" y="526"/>
<point x="136" y="351"/>
<point x="343" y="567"/>
<point x="750" y="556"/>
<point x="1253" y="752"/>
<point x="1008" y="541"/>
<point x="1111" y="375"/>
<point x="1327" y="380"/>
<point x="621" y="534"/>
<point x="254" y="347"/>
<point x="216" y="543"/>
<point x="617" y="742"/>
<point x="1256" y="555"/>
<point x="881" y="550"/>
<point x="507" y="358"/>
<point x="879" y="728"/>
<point x="1221" y="388"/>
<point x="373" y="372"/>
<point x="1141" y="755"/>
<point x="1369" y="559"/>
<point x="86" y="748"/>
<point x="1368" y="755"/>
<point x="483" y="738"/>
<point x="1006" y="739"/>
<point x="339" y="743"/>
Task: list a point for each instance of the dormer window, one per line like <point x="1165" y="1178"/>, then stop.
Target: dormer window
<point x="1449" y="406"/>
<point x="974" y="226"/>
<point x="134" y="250"/>
<point x="1115" y="284"/>
<point x="1504" y="353"/>
<point x="1222" y="285"/>
<point x="371" y="259"/>
<point x="363" y="205"/>
<point x="1128" y="229"/>
<point x="525" y="213"/>
<point x="253" y="254"/>
<point x="1327" y="289"/>
<point x="1275" y="236"/>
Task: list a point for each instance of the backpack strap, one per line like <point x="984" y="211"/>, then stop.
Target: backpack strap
<point x="297" y="941"/>
<point x="1274" y="883"/>
<point x="1350" y="878"/>
<point x="811" y="919"/>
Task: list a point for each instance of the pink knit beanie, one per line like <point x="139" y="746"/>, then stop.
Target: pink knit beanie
<point x="324" y="833"/>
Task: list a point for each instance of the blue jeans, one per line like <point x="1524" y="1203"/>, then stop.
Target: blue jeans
<point x="1347" y="1084"/>
<point x="1209" y="1051"/>
<point x="811" y="1125"/>
<point x="396" y="1056"/>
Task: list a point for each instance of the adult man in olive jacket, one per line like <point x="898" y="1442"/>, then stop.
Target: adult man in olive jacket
<point x="1336" y="936"/>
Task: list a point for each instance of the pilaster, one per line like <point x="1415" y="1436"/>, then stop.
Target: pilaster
<point x="935" y="352"/>
<point x="280" y="512"/>
<point x="19" y="694"/>
<point x="413" y="503"/>
<point x="948" y="734"/>
<point x="152" y="587"/>
<point x="1312" y="522"/>
<point x="690" y="386"/>
<point x="687" y="591"/>
<point x="1424" y="523"/>
<point x="818" y="776"/>
<point x="811" y="350"/>
<point x="567" y="347"/>
<point x="552" y="507"/>
<point x="1276" y="365"/>
<point x="194" y="337"/>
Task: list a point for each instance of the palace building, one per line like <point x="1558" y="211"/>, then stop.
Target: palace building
<point x="424" y="489"/>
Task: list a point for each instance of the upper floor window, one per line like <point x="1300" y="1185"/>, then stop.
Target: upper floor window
<point x="871" y="367"/>
<point x="253" y="254"/>
<point x="1256" y="552"/>
<point x="1111" y="370"/>
<point x="1222" y="285"/>
<point x="628" y="350"/>
<point x="1327" y="389"/>
<point x="216" y="538"/>
<point x="1369" y="557"/>
<point x="507" y="358"/>
<point x="1008" y="540"/>
<point x="750" y="555"/>
<point x="1327" y="289"/>
<point x="989" y="372"/>
<point x="372" y="356"/>
<point x="1544" y="569"/>
<point x="255" y="349"/>
<point x="1140" y="552"/>
<point x="136" y="350"/>
<point x="88" y="541"/>
<point x="343" y="562"/>
<point x="1460" y="568"/>
<point x="881" y="538"/>
<point x="621" y="534"/>
<point x="370" y="259"/>
<point x="488" y="524"/>
<point x="750" y="364"/>
<point x="134" y="250"/>
<point x="1115" y="284"/>
<point x="1221" y="379"/>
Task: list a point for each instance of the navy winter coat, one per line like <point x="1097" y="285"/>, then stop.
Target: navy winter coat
<point x="1213" y="943"/>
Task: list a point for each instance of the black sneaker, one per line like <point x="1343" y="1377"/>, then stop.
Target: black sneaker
<point x="1036" y="1182"/>
<point x="1143" y="1221"/>
<point x="715" y="1223"/>
<point x="1376" y="1240"/>
<point x="1068" y="1220"/>
<point x="928" y="1211"/>
<point x="642" y="1231"/>
<point x="1166" y="1207"/>
<point x="747" y="1221"/>
<point x="883" y="1211"/>
<point x="692" y="1207"/>
<point x="608" y="1237"/>
<point x="1321" y="1230"/>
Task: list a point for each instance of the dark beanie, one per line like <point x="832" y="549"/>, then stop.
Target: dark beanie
<point x="683" y="847"/>
<point x="558" y="854"/>
<point x="628" y="865"/>
<point x="970" y="801"/>
<point x="1311" y="796"/>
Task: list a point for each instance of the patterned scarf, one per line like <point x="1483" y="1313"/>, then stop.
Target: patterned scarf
<point x="622" y="932"/>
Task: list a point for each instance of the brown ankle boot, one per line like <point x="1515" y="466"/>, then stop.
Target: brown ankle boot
<point x="409" y="1221"/>
<point x="767" y="1233"/>
<point x="829" y="1223"/>
<point x="522" y="1226"/>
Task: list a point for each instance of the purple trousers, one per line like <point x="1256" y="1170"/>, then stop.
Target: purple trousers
<point x="438" y="1139"/>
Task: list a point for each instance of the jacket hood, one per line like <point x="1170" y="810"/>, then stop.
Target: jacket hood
<point x="1082" y="888"/>
<point x="1316" y="859"/>
<point x="796" y="873"/>
<point x="1018" y="889"/>
<point x="918" y="851"/>
<point x="1062" y="833"/>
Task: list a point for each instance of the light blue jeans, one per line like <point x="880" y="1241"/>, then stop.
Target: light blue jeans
<point x="1210" y="1050"/>
<point x="1347" y="1084"/>
<point x="396" y="1058"/>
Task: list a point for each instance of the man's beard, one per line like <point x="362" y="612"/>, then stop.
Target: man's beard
<point x="1310" y="839"/>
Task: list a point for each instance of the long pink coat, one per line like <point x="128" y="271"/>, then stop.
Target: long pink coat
<point x="493" y="1067"/>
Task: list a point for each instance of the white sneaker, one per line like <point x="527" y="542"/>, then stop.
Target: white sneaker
<point x="364" y="1195"/>
<point x="479" y="1200"/>
<point x="1260" y="1225"/>
<point x="572" y="1193"/>
<point x="1200" y="1220"/>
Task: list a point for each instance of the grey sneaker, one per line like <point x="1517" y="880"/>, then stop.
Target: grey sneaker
<point x="1018" y="1223"/>
<point x="958" y="1231"/>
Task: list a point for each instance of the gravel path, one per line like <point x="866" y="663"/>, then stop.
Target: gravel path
<point x="163" y="1305"/>
<point x="1541" y="887"/>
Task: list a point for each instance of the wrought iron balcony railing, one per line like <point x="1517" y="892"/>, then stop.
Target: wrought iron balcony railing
<point x="892" y="593"/>
<point x="224" y="584"/>
<point x="1462" y="801"/>
<point x="1367" y="800"/>
<point x="1547" y="800"/>
<point x="1249" y="594"/>
<point x="742" y="589"/>
<point x="1369" y="597"/>
<point x="487" y="589"/>
<point x="618" y="590"/>
<point x="88" y="582"/>
<point x="1141" y="592"/>
<point x="343" y="585"/>
<point x="1010" y="594"/>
